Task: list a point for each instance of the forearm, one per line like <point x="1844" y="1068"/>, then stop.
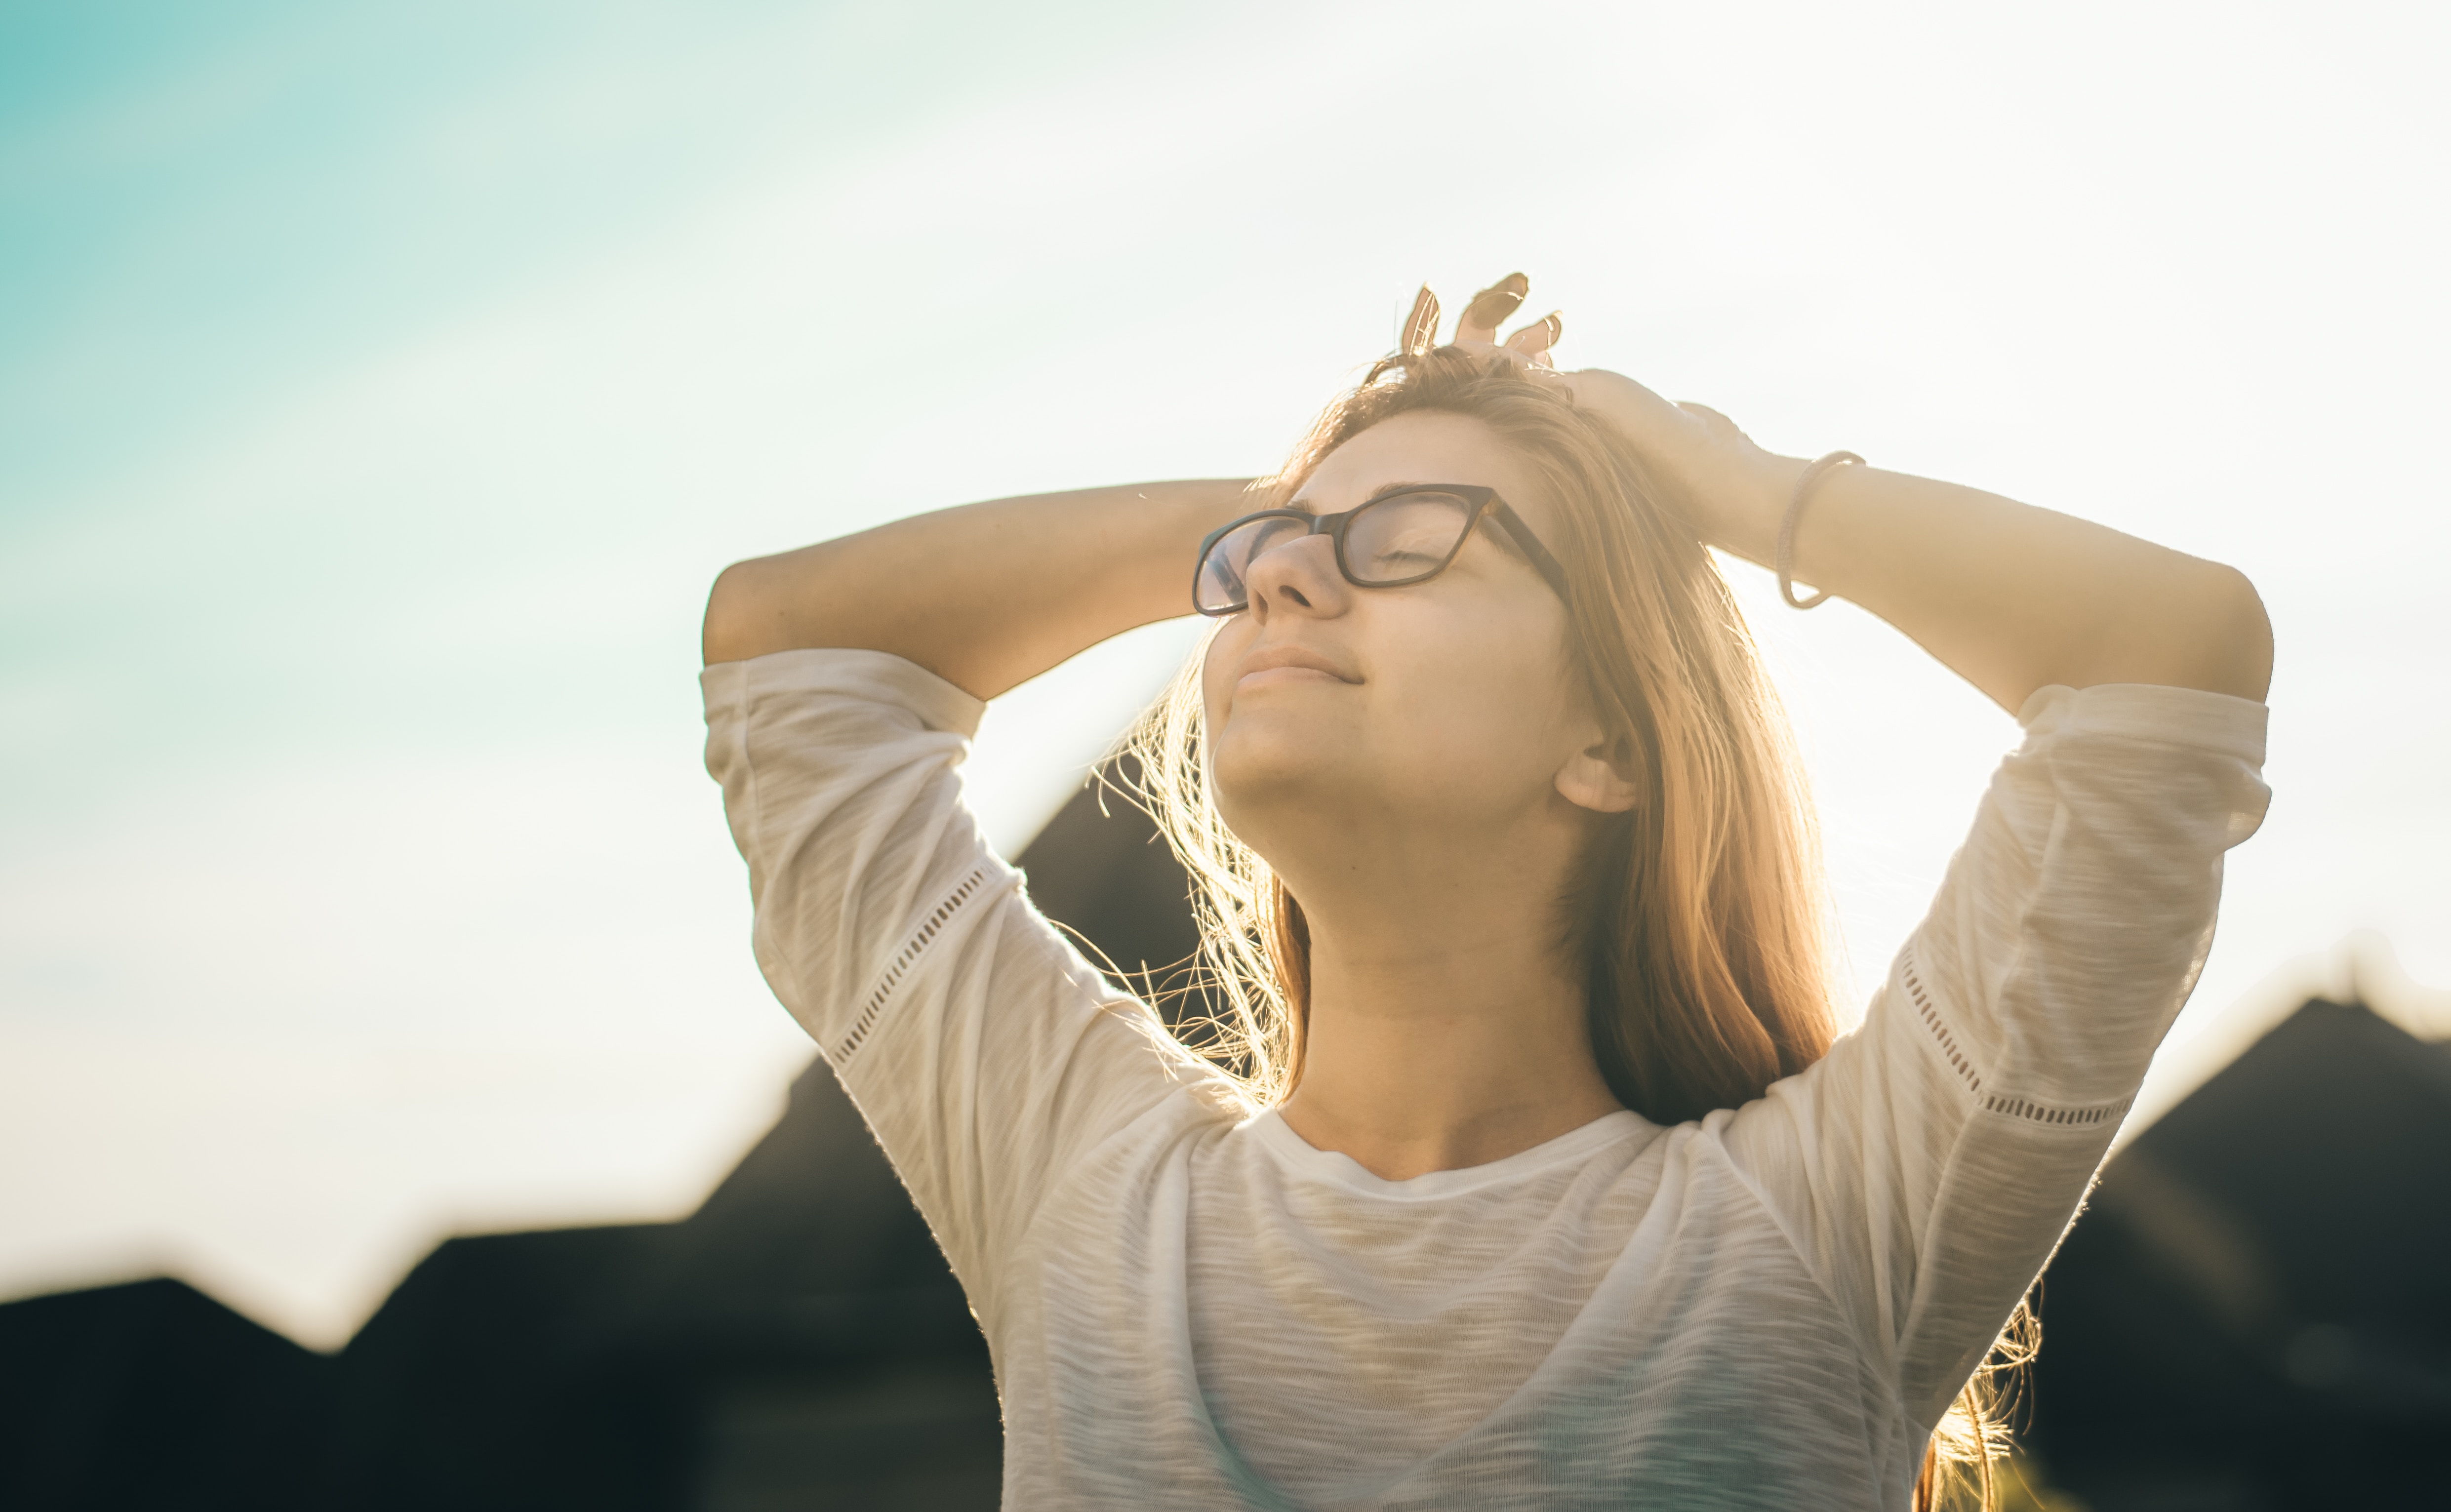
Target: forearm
<point x="987" y="596"/>
<point x="2010" y="597"/>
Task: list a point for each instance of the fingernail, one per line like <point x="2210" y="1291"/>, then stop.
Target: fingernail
<point x="1499" y="301"/>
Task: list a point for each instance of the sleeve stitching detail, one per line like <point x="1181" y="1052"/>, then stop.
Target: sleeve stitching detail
<point x="1932" y="1021"/>
<point x="904" y="959"/>
<point x="2048" y="1113"/>
<point x="2024" y="1108"/>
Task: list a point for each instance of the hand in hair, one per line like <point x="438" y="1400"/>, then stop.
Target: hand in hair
<point x="2009" y="597"/>
<point x="1477" y="327"/>
<point x="1702" y="467"/>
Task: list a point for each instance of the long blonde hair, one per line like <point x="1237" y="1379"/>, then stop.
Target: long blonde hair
<point x="1701" y="914"/>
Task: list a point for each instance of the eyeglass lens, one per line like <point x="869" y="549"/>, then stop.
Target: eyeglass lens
<point x="1401" y="539"/>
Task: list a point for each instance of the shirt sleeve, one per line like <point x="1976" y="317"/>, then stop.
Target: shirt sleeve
<point x="1926" y="1167"/>
<point x="986" y="1053"/>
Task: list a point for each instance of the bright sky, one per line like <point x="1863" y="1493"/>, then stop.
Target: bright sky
<point x="382" y="386"/>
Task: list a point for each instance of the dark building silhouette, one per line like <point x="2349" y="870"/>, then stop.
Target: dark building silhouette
<point x="153" y="1395"/>
<point x="2255" y="1311"/>
<point x="2253" y="1316"/>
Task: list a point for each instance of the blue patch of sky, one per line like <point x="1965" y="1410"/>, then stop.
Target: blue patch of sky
<point x="201" y="206"/>
<point x="210" y="215"/>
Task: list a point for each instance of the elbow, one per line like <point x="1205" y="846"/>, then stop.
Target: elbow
<point x="728" y="633"/>
<point x="2238" y="659"/>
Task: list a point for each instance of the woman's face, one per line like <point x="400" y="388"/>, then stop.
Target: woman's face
<point x="1448" y="706"/>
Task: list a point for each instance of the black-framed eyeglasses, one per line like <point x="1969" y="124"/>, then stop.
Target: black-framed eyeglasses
<point x="1404" y="536"/>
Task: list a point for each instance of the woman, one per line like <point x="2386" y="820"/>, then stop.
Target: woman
<point x="1531" y="1175"/>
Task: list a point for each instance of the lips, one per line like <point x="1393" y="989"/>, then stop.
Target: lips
<point x="1269" y="658"/>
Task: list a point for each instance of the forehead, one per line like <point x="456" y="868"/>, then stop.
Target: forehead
<point x="1423" y="446"/>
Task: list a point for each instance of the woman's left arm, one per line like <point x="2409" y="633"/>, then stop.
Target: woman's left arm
<point x="1935" y="1155"/>
<point x="2010" y="597"/>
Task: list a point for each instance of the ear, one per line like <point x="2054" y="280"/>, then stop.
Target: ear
<point x="1601" y="776"/>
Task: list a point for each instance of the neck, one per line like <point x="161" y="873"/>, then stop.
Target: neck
<point x="1445" y="1031"/>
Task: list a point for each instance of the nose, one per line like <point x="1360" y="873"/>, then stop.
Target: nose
<point x="1299" y="576"/>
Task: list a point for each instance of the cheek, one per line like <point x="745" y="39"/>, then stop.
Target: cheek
<point x="1489" y="700"/>
<point x="1479" y="711"/>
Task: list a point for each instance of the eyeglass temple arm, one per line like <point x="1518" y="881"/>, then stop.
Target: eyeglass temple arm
<point x="1520" y="532"/>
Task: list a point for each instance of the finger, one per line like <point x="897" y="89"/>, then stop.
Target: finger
<point x="1490" y="307"/>
<point x="1534" y="341"/>
<point x="1420" y="330"/>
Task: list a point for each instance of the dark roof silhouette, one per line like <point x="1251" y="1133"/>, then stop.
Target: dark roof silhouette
<point x="153" y="1394"/>
<point x="2252" y="1316"/>
<point x="2255" y="1310"/>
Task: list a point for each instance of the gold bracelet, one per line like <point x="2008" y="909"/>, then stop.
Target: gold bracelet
<point x="1820" y="468"/>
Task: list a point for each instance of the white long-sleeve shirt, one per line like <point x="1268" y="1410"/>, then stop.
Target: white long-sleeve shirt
<point x="1190" y="1308"/>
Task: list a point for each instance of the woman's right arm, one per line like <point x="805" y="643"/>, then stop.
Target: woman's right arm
<point x="985" y="596"/>
<point x="981" y="1048"/>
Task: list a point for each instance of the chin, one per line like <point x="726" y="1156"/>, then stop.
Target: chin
<point x="1265" y="768"/>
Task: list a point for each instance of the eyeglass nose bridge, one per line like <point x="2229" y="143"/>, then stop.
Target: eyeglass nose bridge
<point x="1312" y="524"/>
<point x="1332" y="526"/>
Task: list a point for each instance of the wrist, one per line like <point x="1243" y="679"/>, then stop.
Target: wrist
<point x="1209" y="501"/>
<point x="1750" y="504"/>
<point x="1784" y="562"/>
<point x="1167" y="523"/>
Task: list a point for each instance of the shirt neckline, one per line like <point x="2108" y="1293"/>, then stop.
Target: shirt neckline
<point x="1302" y="1158"/>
